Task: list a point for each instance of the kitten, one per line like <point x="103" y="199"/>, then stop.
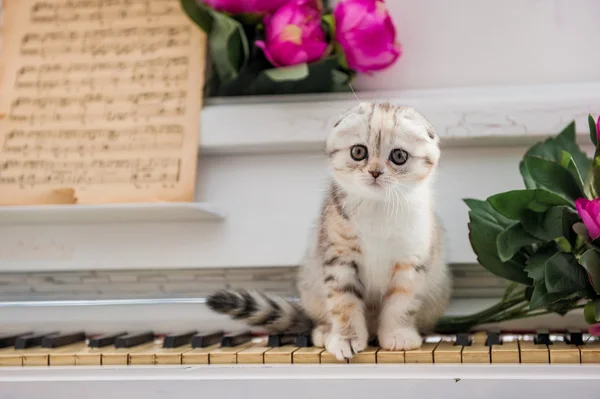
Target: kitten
<point x="375" y="266"/>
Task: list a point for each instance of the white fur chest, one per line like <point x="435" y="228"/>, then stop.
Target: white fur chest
<point x="388" y="238"/>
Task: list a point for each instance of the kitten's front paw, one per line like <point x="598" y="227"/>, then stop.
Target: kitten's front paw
<point x="319" y="335"/>
<point x="344" y="348"/>
<point x="400" y="338"/>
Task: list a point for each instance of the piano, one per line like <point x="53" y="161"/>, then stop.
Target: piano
<point x="241" y="363"/>
<point x="214" y="348"/>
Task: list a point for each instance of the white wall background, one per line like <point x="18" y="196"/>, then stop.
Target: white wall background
<point x="487" y="42"/>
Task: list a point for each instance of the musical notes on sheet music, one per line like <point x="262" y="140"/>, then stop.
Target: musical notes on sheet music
<point x="95" y="108"/>
<point x="110" y="41"/>
<point x="101" y="97"/>
<point x="99" y="171"/>
<point x="100" y="10"/>
<point x="90" y="76"/>
<point x="64" y="143"/>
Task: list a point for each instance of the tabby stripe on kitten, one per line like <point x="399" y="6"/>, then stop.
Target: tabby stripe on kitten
<point x="375" y="264"/>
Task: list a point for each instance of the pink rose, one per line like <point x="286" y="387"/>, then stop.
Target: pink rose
<point x="245" y="6"/>
<point x="595" y="330"/>
<point x="590" y="214"/>
<point x="293" y="34"/>
<point x="367" y="34"/>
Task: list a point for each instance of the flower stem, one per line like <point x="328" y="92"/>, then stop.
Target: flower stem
<point x="512" y="307"/>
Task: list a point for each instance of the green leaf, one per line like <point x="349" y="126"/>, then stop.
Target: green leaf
<point x="527" y="179"/>
<point x="564" y="274"/>
<point x="319" y="78"/>
<point x="567" y="140"/>
<point x="228" y="45"/>
<point x="197" y="13"/>
<point x="341" y="81"/>
<point x="568" y="163"/>
<point x="552" y="148"/>
<point x="227" y="41"/>
<point x="593" y="182"/>
<point x="249" y="19"/>
<point x="591" y="311"/>
<point x="564" y="305"/>
<point x="563" y="244"/>
<point x="529" y="293"/>
<point x="511" y="240"/>
<point x="291" y="73"/>
<point x="554" y="223"/>
<point x="512" y="203"/>
<point x="551" y="176"/>
<point x="536" y="264"/>
<point x="482" y="235"/>
<point x="593" y="132"/>
<point x="590" y="260"/>
<point x="341" y="56"/>
<point x="330" y="23"/>
<point x="485" y="210"/>
<point x="542" y="298"/>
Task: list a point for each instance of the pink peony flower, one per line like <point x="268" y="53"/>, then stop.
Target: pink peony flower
<point x="293" y="34"/>
<point x="367" y="34"/>
<point x="245" y="6"/>
<point x="595" y="330"/>
<point x="590" y="214"/>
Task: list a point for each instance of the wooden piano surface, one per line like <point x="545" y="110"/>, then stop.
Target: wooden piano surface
<point x="451" y="381"/>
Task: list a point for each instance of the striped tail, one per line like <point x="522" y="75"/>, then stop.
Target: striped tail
<point x="273" y="314"/>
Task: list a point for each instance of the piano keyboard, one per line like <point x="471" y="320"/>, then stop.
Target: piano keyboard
<point x="242" y="347"/>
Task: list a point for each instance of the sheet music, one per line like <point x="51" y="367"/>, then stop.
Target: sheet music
<point x="100" y="101"/>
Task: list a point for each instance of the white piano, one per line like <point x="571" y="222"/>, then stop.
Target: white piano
<point x="261" y="177"/>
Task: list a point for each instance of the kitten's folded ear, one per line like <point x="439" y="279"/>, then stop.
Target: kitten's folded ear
<point x="359" y="109"/>
<point x="340" y="119"/>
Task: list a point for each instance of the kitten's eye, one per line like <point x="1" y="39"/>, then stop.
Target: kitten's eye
<point x="358" y="152"/>
<point x="399" y="157"/>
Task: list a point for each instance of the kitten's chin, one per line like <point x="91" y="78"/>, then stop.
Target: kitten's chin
<point x="363" y="190"/>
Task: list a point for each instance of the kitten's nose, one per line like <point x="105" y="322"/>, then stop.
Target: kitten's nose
<point x="375" y="173"/>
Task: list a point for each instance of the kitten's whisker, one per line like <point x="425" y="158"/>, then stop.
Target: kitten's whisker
<point x="397" y="203"/>
<point x="388" y="198"/>
<point x="353" y="92"/>
<point x="405" y="198"/>
<point x="405" y="186"/>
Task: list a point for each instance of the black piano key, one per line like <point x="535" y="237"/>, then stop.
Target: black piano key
<point x="304" y="341"/>
<point x="204" y="340"/>
<point x="235" y="339"/>
<point x="542" y="337"/>
<point x="575" y="337"/>
<point x="56" y="341"/>
<point x="275" y="341"/>
<point x="463" y="339"/>
<point x="374" y="342"/>
<point x="32" y="340"/>
<point x="135" y="339"/>
<point x="8" y="340"/>
<point x="493" y="338"/>
<point x="179" y="339"/>
<point x="105" y="340"/>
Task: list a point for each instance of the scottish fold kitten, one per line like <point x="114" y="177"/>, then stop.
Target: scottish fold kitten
<point x="375" y="265"/>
